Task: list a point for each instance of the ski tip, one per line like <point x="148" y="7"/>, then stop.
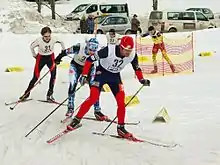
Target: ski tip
<point x="98" y="133"/>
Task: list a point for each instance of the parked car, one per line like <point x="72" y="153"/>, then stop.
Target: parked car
<point x="98" y="9"/>
<point x="206" y="11"/>
<point x="121" y="24"/>
<point x="173" y="21"/>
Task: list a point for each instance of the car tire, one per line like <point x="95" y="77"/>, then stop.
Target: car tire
<point x="128" y="32"/>
<point x="172" y="30"/>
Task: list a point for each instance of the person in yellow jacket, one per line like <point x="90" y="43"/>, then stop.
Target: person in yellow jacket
<point x="157" y="38"/>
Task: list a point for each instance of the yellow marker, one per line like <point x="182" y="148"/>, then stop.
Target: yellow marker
<point x="64" y="65"/>
<point x="142" y="58"/>
<point x="14" y="69"/>
<point x="203" y="54"/>
<point x="162" y="116"/>
<point x="106" y="88"/>
<point x="134" y="101"/>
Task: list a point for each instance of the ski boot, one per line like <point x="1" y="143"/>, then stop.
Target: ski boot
<point x="155" y="70"/>
<point x="100" y="116"/>
<point x="122" y="132"/>
<point x="74" y="124"/>
<point x="70" y="112"/>
<point x="24" y="96"/>
<point x="50" y="97"/>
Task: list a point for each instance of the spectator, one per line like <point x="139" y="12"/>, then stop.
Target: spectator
<point x="83" y="25"/>
<point x="90" y="24"/>
<point x="135" y="24"/>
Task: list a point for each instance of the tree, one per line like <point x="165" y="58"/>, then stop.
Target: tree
<point x="52" y="4"/>
<point x="38" y="5"/>
<point x="155" y="4"/>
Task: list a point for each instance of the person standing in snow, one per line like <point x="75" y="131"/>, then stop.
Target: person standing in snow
<point x="91" y="24"/>
<point x="135" y="24"/>
<point x="83" y="25"/>
<point x="45" y="56"/>
<point x="81" y="52"/>
<point x="112" y="59"/>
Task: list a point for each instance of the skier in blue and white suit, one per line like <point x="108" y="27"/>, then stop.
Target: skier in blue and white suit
<point x="81" y="52"/>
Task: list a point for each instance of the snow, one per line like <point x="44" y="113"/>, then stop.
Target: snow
<point x="192" y="102"/>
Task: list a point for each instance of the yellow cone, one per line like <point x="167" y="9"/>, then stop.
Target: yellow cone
<point x="134" y="101"/>
<point x="14" y="69"/>
<point x="162" y="116"/>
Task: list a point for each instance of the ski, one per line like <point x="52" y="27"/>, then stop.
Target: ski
<point x="15" y="102"/>
<point x="109" y="120"/>
<point x="134" y="139"/>
<point x="61" y="134"/>
<point x="94" y="119"/>
<point x="51" y="102"/>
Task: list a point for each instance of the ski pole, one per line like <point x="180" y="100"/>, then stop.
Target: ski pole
<point x="38" y="82"/>
<point x="125" y="106"/>
<point x="51" y="113"/>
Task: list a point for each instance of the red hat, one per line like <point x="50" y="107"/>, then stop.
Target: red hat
<point x="127" y="42"/>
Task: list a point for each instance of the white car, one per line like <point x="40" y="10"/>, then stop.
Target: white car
<point x="121" y="24"/>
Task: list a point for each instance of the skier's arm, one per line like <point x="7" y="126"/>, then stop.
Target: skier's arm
<point x="136" y="67"/>
<point x="71" y="50"/>
<point x="138" y="71"/>
<point x="33" y="46"/>
<point x="102" y="53"/>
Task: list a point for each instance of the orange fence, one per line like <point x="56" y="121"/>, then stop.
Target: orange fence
<point x="179" y="49"/>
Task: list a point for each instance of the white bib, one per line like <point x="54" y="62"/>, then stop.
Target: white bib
<point x="114" y="40"/>
<point x="115" y="64"/>
<point x="81" y="57"/>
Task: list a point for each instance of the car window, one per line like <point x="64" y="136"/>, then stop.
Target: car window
<point x="121" y="20"/>
<point x="92" y="8"/>
<point x="110" y="21"/>
<point x="173" y="15"/>
<point x="186" y="16"/>
<point x="201" y="17"/>
<point x="156" y="15"/>
<point x="206" y="11"/>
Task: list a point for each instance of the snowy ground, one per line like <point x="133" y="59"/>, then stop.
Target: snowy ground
<point x="192" y="102"/>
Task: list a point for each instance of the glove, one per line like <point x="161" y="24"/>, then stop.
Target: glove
<point x="57" y="61"/>
<point x="59" y="57"/>
<point x="83" y="80"/>
<point x="145" y="82"/>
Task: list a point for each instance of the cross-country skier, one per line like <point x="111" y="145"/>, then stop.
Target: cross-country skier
<point x="45" y="56"/>
<point x="157" y="38"/>
<point x="113" y="37"/>
<point x="81" y="52"/>
<point x="112" y="59"/>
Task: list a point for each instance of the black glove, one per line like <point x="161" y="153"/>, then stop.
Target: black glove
<point x="59" y="57"/>
<point x="145" y="82"/>
<point x="57" y="61"/>
<point x="83" y="80"/>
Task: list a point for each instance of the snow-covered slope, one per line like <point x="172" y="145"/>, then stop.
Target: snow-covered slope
<point x="192" y="102"/>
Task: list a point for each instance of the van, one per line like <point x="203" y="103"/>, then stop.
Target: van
<point x="173" y="21"/>
<point x="97" y="9"/>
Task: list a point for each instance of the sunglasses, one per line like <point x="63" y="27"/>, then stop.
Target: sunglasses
<point x="46" y="36"/>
